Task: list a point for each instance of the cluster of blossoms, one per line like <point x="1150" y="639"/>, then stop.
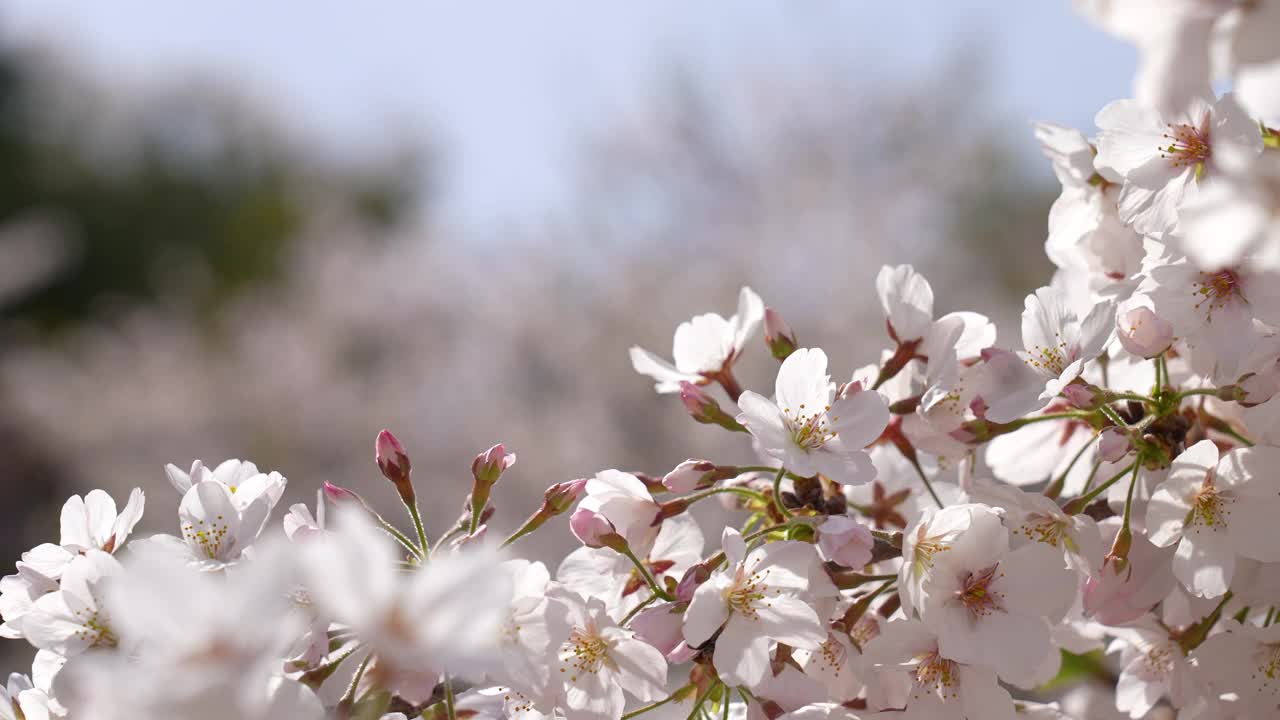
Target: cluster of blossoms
<point x="941" y="535"/>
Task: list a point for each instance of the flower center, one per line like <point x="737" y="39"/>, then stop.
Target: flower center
<point x="1210" y="508"/>
<point x="1050" y="358"/>
<point x="1188" y="146"/>
<point x="935" y="673"/>
<point x="206" y="535"/>
<point x="746" y="592"/>
<point x="1215" y="290"/>
<point x="925" y="549"/>
<point x="976" y="595"/>
<point x="1268" y="662"/>
<point x="585" y="652"/>
<point x="1159" y="661"/>
<point x="1044" y="528"/>
<point x="95" y="629"/>
<point x="810" y="431"/>
<point x="864" y="631"/>
<point x="831" y="655"/>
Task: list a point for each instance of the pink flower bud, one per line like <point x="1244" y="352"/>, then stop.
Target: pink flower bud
<point x="703" y="408"/>
<point x="687" y="476"/>
<point x="845" y="541"/>
<point x="661" y="626"/>
<point x="394" y="464"/>
<point x="1140" y="330"/>
<point x="340" y="496"/>
<point x="778" y="335"/>
<point x="562" y="496"/>
<point x="1113" y="444"/>
<point x="1082" y="396"/>
<point x="693" y="577"/>
<point x="591" y="528"/>
<point x="489" y="465"/>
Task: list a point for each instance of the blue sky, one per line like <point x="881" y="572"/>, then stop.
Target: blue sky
<point x="506" y="87"/>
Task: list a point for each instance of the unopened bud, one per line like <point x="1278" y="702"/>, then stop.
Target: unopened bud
<point x="1113" y="444"/>
<point x="1140" y="330"/>
<point x="845" y="541"/>
<point x="703" y="408"/>
<point x="1118" y="557"/>
<point x="339" y="495"/>
<point x="594" y="530"/>
<point x="489" y="465"/>
<point x="688" y="475"/>
<point x="778" y="335"/>
<point x="394" y="464"/>
<point x="1254" y="388"/>
<point x="1084" y="396"/>
<point x="693" y="577"/>
<point x="562" y="496"/>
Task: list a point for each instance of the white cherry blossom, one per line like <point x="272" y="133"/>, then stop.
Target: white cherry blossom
<point x="704" y="347"/>
<point x="1217" y="509"/>
<point x="87" y="523"/>
<point x="755" y="599"/>
<point x="809" y="428"/>
<point x="599" y="661"/>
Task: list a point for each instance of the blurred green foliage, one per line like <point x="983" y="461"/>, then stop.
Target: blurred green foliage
<point x="229" y="207"/>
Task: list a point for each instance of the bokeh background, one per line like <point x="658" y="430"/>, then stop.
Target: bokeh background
<point x="267" y="230"/>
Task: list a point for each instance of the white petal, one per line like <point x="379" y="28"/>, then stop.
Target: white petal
<point x="742" y="654"/>
<point x="803" y="386"/>
<point x="668" y="377"/>
<point x="1204" y="565"/>
<point x="788" y="619"/>
<point x="707" y="611"/>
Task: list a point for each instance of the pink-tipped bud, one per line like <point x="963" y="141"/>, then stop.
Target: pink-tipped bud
<point x="593" y="529"/>
<point x="489" y="465"/>
<point x="1113" y="444"/>
<point x="1254" y="388"/>
<point x="845" y="541"/>
<point x="703" y="408"/>
<point x="778" y="335"/>
<point x="1084" y="396"/>
<point x="339" y="495"/>
<point x="1140" y="330"/>
<point x="394" y="464"/>
<point x="693" y="577"/>
<point x="562" y="496"/>
<point x="687" y="476"/>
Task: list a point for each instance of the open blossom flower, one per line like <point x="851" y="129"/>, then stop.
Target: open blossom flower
<point x="756" y="599"/>
<point x="808" y="428"/>
<point x="932" y="684"/>
<point x="1153" y="666"/>
<point x="537" y="624"/>
<point x="75" y="619"/>
<point x="420" y="623"/>
<point x="992" y="605"/>
<point x="1058" y="345"/>
<point x="623" y="500"/>
<point x="1085" y="229"/>
<point x="1162" y="159"/>
<point x="20" y="699"/>
<point x="907" y="300"/>
<point x="933" y="535"/>
<point x="1235" y="217"/>
<point x="704" y="347"/>
<point x="242" y="480"/>
<point x="1215" y="510"/>
<point x="1242" y="661"/>
<point x="599" y="661"/>
<point x="1034" y="518"/>
<point x="18" y="592"/>
<point x="1213" y="309"/>
<point x="216" y="529"/>
<point x="88" y="523"/>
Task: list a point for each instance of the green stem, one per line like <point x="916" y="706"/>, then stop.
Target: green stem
<point x="1271" y="614"/>
<point x="636" y="610"/>
<point x="399" y="536"/>
<point x="697" y="706"/>
<point x="1022" y="422"/>
<point x="1196" y="391"/>
<point x="1132" y="396"/>
<point x="777" y="493"/>
<point x="350" y="694"/>
<point x="654" y="706"/>
<point x="417" y="525"/>
<point x="448" y="697"/>
<point x="1113" y="416"/>
<point x="1083" y="501"/>
<point x="1128" y="500"/>
<point x="644" y="572"/>
<point x="744" y="492"/>
<point x="1227" y="430"/>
